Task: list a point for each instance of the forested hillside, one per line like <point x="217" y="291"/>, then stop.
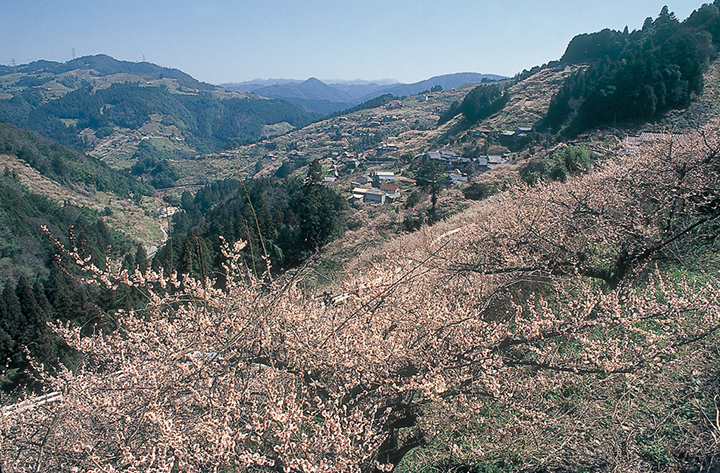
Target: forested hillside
<point x="638" y="75"/>
<point x="286" y="221"/>
<point x="37" y="283"/>
<point x="29" y="221"/>
<point x="66" y="166"/>
<point x="206" y="122"/>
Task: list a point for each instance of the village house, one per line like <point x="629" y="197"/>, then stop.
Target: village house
<point x="494" y="160"/>
<point x="390" y="190"/>
<point x="386" y="194"/>
<point x="357" y="197"/>
<point x="405" y="181"/>
<point x="487" y="162"/>
<point x="507" y="137"/>
<point x="446" y="157"/>
<point x="383" y="177"/>
<point x="362" y="180"/>
<point x="380" y="160"/>
<point x="367" y="195"/>
<point x="454" y="178"/>
<point x="374" y="197"/>
<point x="386" y="148"/>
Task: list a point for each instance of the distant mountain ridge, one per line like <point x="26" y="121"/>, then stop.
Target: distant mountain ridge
<point x="327" y="98"/>
<point x="106" y="65"/>
<point x="447" y="81"/>
<point x="312" y="89"/>
<point x="84" y="101"/>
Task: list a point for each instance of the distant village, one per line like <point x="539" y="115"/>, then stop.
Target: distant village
<point x="368" y="170"/>
<point x="372" y="183"/>
<point x="380" y="187"/>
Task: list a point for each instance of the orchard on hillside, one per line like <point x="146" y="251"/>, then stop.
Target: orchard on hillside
<point x="485" y="325"/>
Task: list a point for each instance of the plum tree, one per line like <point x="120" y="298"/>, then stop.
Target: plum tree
<point x="498" y="310"/>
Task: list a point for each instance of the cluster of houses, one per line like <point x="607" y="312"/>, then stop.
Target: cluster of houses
<point x="384" y="187"/>
<point x="450" y="159"/>
<point x="381" y="187"/>
<point x="384" y="156"/>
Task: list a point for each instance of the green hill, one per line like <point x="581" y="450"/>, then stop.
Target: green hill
<point x="206" y="122"/>
<point x="49" y="192"/>
<point x="636" y="76"/>
<point x="80" y="102"/>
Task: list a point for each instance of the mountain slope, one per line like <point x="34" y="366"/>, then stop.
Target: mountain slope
<point x="65" y="166"/>
<point x="82" y="102"/>
<point x="311" y="89"/>
<point x="311" y="94"/>
<point x="66" y="176"/>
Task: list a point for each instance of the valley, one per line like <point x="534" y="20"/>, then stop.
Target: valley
<point x="472" y="273"/>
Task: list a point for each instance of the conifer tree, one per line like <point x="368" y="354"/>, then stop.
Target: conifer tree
<point x="141" y="260"/>
<point x="14" y="321"/>
<point x="34" y="315"/>
<point x="6" y="342"/>
<point x="60" y="298"/>
<point x="42" y="300"/>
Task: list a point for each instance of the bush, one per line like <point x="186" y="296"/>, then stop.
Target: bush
<point x="413" y="199"/>
<point x="477" y="191"/>
<point x="570" y="161"/>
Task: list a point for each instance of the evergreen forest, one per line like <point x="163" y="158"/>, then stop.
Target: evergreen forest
<point x="635" y="76"/>
<point x="284" y="223"/>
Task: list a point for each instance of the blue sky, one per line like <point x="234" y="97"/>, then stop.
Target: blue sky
<point x="220" y="41"/>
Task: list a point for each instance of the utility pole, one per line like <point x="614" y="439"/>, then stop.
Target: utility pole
<point x="547" y="145"/>
<point x="73" y="53"/>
